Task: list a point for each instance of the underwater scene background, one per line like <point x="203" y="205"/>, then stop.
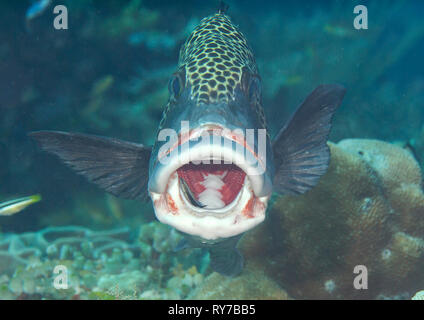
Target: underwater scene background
<point x="108" y="75"/>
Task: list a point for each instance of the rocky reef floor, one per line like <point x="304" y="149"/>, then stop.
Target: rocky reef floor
<point x="77" y="263"/>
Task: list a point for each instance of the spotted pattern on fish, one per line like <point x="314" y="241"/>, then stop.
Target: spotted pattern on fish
<point x="213" y="57"/>
<point x="212" y="61"/>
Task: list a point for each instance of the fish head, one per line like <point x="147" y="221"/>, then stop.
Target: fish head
<point x="209" y="172"/>
<point x="211" y="166"/>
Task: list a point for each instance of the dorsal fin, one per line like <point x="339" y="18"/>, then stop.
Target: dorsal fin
<point x="223" y="7"/>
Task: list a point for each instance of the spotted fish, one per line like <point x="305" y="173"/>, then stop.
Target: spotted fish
<point x="206" y="175"/>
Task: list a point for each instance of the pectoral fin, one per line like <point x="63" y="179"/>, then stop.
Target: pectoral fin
<point x="300" y="149"/>
<point x="225" y="258"/>
<point x="182" y="245"/>
<point x="119" y="167"/>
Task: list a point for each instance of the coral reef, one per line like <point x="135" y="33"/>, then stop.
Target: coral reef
<point x="101" y="264"/>
<point x="367" y="210"/>
<point x="417" y="144"/>
<point x="252" y="284"/>
<point x="418" y="296"/>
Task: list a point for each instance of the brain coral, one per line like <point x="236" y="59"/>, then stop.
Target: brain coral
<point x="367" y="210"/>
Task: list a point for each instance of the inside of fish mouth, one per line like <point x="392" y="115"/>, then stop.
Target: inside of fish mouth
<point x="211" y="185"/>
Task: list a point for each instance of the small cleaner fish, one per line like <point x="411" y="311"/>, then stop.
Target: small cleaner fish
<point x="11" y="207"/>
<point x="212" y="192"/>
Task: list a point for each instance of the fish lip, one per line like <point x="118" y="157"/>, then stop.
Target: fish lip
<point x="245" y="212"/>
<point x="195" y="151"/>
<point x="248" y="212"/>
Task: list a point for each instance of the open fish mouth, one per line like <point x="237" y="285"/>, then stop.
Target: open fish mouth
<point x="213" y="190"/>
<point x="210" y="186"/>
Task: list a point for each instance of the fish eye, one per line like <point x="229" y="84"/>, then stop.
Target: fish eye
<point x="175" y="85"/>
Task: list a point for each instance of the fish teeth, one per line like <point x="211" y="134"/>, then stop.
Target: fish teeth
<point x="211" y="197"/>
